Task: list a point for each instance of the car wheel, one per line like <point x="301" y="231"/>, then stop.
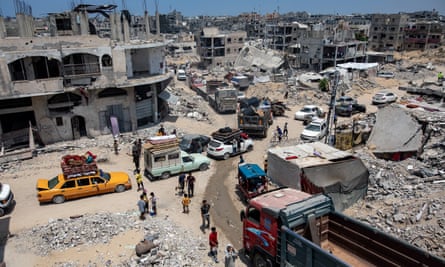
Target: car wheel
<point x="249" y="148"/>
<point x="203" y="167"/>
<point x="226" y="155"/>
<point x="165" y="175"/>
<point x="2" y="212"/>
<point x="59" y="199"/>
<point x="120" y="188"/>
<point x="259" y="261"/>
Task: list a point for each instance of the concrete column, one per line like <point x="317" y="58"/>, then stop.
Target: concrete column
<point x="126" y="29"/>
<point x="84" y="25"/>
<point x="23" y="23"/>
<point x="116" y="26"/>
<point x="2" y="28"/>
<point x="113" y="26"/>
<point x="147" y="25"/>
<point x="155" y="103"/>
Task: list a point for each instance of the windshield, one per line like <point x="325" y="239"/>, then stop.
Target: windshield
<point x="185" y="143"/>
<point x="306" y="110"/>
<point x="53" y="182"/>
<point x="313" y="127"/>
<point x="105" y="175"/>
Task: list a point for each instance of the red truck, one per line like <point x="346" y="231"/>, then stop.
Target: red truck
<point x="288" y="227"/>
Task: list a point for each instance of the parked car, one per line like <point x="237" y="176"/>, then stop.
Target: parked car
<point x="7" y="201"/>
<point x="384" y="97"/>
<point x="346" y="100"/>
<point x="309" y="111"/>
<point x="59" y="188"/>
<point x="194" y="143"/>
<point x="315" y="130"/>
<point x="225" y="150"/>
<point x="181" y="75"/>
<point x="349" y="110"/>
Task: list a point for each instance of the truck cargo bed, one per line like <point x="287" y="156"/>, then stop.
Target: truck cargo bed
<point x="358" y="244"/>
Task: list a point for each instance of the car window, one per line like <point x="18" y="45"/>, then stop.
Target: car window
<point x="214" y="144"/>
<point x="69" y="184"/>
<point x="83" y="181"/>
<point x="97" y="180"/>
<point x="53" y="182"/>
<point x="313" y="127"/>
<point x="187" y="159"/>
<point x="105" y="175"/>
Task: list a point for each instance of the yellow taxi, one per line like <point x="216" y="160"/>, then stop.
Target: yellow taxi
<point x="60" y="188"/>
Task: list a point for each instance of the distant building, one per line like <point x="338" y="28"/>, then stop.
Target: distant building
<point x="68" y="82"/>
<point x="216" y="48"/>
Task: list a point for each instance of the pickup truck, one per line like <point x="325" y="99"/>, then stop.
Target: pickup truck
<point x="288" y="227"/>
<point x="164" y="158"/>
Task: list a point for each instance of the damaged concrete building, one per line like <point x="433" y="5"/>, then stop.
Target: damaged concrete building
<point x="70" y="82"/>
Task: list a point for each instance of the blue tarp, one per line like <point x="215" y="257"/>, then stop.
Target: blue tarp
<point x="250" y="171"/>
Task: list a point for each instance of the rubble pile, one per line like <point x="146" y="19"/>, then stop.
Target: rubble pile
<point x="175" y="246"/>
<point x="404" y="204"/>
<point x="189" y="105"/>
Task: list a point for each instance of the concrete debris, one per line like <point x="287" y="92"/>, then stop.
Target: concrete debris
<point x="171" y="244"/>
<point x="404" y="204"/>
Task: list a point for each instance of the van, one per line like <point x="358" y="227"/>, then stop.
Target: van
<point x="181" y="76"/>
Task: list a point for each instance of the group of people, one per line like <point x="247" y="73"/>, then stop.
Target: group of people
<point x="147" y="205"/>
<point x="281" y="133"/>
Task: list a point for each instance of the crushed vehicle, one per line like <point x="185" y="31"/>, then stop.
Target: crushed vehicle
<point x="228" y="142"/>
<point x="164" y="158"/>
<point x="252" y="180"/>
<point x="80" y="177"/>
<point x="288" y="227"/>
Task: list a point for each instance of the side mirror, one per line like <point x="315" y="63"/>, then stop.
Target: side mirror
<point x="242" y="215"/>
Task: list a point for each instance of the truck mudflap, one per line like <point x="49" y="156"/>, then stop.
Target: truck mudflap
<point x="298" y="251"/>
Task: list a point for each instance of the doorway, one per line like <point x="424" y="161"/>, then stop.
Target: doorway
<point x="78" y="126"/>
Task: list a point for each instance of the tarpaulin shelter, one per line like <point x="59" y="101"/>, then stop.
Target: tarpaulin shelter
<point x="319" y="168"/>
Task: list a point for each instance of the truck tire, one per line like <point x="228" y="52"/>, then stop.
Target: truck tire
<point x="259" y="260"/>
<point x="165" y="175"/>
<point x="226" y="155"/>
<point x="58" y="199"/>
<point x="203" y="167"/>
<point x="120" y="188"/>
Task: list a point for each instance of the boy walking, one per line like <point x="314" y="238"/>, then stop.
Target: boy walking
<point x="190" y="184"/>
<point x="185" y="204"/>
<point x="213" y="243"/>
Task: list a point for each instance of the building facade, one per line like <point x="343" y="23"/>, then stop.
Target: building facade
<point x="71" y="83"/>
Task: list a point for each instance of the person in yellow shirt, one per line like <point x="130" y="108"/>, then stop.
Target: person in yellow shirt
<point x="139" y="180"/>
<point x="185" y="204"/>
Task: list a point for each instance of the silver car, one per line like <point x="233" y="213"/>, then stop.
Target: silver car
<point x="384" y="97"/>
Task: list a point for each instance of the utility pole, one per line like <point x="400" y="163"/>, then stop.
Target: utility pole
<point x="331" y="112"/>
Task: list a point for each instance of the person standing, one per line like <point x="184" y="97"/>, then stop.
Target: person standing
<point x="279" y="133"/>
<point x="153" y="200"/>
<point x="141" y="206"/>
<point x="139" y="180"/>
<point x="185" y="204"/>
<point x="205" y="215"/>
<point x="190" y="184"/>
<point x="134" y="153"/>
<point x="181" y="182"/>
<point x="145" y="198"/>
<point x="230" y="256"/>
<point x="213" y="243"/>
<point x="116" y="147"/>
<point x="285" y="132"/>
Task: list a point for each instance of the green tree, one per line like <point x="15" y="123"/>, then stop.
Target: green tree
<point x="324" y="85"/>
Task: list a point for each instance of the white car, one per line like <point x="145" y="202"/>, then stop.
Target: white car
<point x="384" y="97"/>
<point x="315" y="130"/>
<point x="181" y="75"/>
<point x="309" y="111"/>
<point x="221" y="150"/>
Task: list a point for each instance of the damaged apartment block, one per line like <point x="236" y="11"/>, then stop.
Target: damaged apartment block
<point x="70" y="75"/>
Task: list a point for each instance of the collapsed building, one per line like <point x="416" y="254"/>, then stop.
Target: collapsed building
<point x="69" y="82"/>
